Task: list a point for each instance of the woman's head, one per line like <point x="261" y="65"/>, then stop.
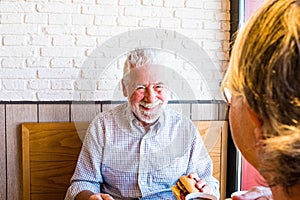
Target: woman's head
<point x="264" y="69"/>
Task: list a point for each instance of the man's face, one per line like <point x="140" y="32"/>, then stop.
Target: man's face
<point x="147" y="93"/>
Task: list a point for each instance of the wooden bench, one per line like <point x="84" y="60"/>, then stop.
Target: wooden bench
<point x="50" y="151"/>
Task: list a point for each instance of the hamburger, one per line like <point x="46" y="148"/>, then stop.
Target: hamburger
<point x="183" y="187"/>
<point x="187" y="187"/>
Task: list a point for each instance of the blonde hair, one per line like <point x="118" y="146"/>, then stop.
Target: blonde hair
<point x="265" y="68"/>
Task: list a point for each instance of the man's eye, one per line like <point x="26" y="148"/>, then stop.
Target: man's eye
<point x="159" y="86"/>
<point x="140" y="88"/>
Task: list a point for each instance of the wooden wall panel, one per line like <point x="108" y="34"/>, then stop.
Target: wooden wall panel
<point x="205" y="111"/>
<point x="84" y="112"/>
<point x="2" y="153"/>
<point x="15" y="115"/>
<point x="54" y="113"/>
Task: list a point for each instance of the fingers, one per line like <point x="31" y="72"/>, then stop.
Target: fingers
<point x="201" y="184"/>
<point x="258" y="193"/>
<point x="106" y="197"/>
<point x="194" y="176"/>
<point x="100" y="197"/>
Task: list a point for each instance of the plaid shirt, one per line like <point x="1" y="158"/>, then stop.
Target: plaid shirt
<point x="120" y="158"/>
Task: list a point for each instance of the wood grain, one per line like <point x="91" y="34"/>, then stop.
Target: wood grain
<point x="84" y="112"/>
<point x="50" y="152"/>
<point x="15" y="115"/>
<point x="2" y="153"/>
<point x="214" y="135"/>
<point x="54" y="113"/>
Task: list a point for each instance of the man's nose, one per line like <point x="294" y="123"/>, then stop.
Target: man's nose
<point x="150" y="94"/>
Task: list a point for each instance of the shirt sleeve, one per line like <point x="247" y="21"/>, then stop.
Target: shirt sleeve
<point x="201" y="163"/>
<point x="87" y="174"/>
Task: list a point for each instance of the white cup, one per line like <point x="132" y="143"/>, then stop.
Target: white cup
<point x="199" y="196"/>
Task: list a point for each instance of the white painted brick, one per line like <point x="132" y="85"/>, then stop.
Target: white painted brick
<point x="85" y="41"/>
<point x="105" y="20"/>
<point x="11" y="18"/>
<point x="18" y="29"/>
<point x="189" y="13"/>
<point x="36" y="18"/>
<point x="11" y="40"/>
<point x="38" y="84"/>
<point x="222" y="16"/>
<point x="127" y="21"/>
<point x="107" y="84"/>
<point x="15" y="85"/>
<point x="84" y="25"/>
<point x="100" y="10"/>
<point x="212" y="5"/>
<point x="85" y="85"/>
<point x="63" y="51"/>
<point x="174" y="3"/>
<point x="152" y="3"/>
<point x="194" y="4"/>
<point x="83" y="1"/>
<point x="12" y="62"/>
<point x="18" y="51"/>
<point x="38" y="62"/>
<point x="57" y="7"/>
<point x="78" y="62"/>
<point x="104" y="30"/>
<point x="17" y="73"/>
<point x="80" y="19"/>
<point x="63" y="40"/>
<point x="148" y="11"/>
<point x="133" y="42"/>
<point x="61" y="73"/>
<point x="128" y="2"/>
<point x="107" y="2"/>
<point x="209" y="15"/>
<point x="212" y="25"/>
<point x="57" y="95"/>
<point x="223" y="36"/>
<point x="61" y="62"/>
<point x="150" y="22"/>
<point x="39" y="40"/>
<point x="62" y="84"/>
<point x="63" y="30"/>
<point x="211" y="45"/>
<point x="191" y="23"/>
<point x="62" y="19"/>
<point x="17" y="7"/>
<point x="170" y="23"/>
<point x="15" y="96"/>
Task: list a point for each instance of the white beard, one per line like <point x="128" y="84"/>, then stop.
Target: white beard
<point x="149" y="117"/>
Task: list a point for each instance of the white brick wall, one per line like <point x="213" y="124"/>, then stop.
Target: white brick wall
<point x="45" y="45"/>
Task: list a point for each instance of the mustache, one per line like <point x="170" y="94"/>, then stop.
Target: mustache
<point x="151" y="105"/>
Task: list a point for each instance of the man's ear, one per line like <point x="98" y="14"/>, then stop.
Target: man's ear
<point x="124" y="88"/>
<point x="256" y="120"/>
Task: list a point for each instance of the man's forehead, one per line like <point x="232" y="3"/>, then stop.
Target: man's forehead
<point x="147" y="74"/>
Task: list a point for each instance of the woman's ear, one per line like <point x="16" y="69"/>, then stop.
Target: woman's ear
<point x="256" y="121"/>
<point x="124" y="88"/>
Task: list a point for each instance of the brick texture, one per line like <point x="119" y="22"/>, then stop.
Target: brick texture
<point x="74" y="50"/>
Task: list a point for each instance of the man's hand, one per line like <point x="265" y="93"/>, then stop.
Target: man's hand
<point x="88" y="195"/>
<point x="255" y="193"/>
<point x="100" y="197"/>
<point x="201" y="184"/>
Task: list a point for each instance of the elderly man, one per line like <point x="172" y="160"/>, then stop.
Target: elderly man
<point x="139" y="149"/>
